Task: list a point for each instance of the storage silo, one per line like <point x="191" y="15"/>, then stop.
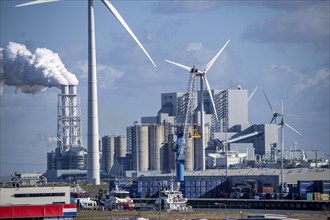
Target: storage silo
<point x="189" y="154"/>
<point x="198" y="154"/>
<point x="156" y="140"/>
<point x="108" y="152"/>
<point x="167" y="155"/>
<point x="51" y="160"/>
<point x="142" y="148"/>
<point x="76" y="158"/>
<point x="120" y="146"/>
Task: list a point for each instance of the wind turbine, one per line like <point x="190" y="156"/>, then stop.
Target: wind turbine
<point x="282" y="124"/>
<point x="250" y="96"/>
<point x="275" y="114"/>
<point x="93" y="166"/>
<point x="203" y="79"/>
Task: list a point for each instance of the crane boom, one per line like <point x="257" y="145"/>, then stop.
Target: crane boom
<point x="189" y="112"/>
<point x="182" y="137"/>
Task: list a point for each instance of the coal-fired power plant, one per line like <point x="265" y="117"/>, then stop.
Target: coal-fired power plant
<point x="69" y="153"/>
<point x="68" y="119"/>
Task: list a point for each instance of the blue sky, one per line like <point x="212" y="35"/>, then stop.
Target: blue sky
<point x="280" y="46"/>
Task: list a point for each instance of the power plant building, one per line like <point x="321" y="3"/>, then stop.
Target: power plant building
<point x="113" y="150"/>
<point x="69" y="153"/>
<point x="154" y="140"/>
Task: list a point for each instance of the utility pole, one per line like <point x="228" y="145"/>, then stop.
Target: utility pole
<point x="315" y="157"/>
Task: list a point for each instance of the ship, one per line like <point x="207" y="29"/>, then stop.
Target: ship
<point x="82" y="198"/>
<point x="171" y="199"/>
<point x="118" y="199"/>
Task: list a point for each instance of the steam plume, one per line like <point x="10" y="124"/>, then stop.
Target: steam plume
<point x="32" y="72"/>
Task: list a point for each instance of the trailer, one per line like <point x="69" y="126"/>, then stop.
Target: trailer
<point x="58" y="211"/>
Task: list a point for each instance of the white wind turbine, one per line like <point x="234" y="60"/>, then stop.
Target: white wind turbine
<point x="202" y="75"/>
<point x="282" y="124"/>
<point x="93" y="166"/>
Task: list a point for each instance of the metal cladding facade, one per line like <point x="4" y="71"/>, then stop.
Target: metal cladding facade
<point x="76" y="158"/>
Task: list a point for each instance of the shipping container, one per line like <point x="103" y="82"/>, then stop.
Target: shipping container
<point x="305" y="186"/>
<point x="324" y="197"/>
<point x="309" y="196"/>
<point x="322" y="186"/>
<point x="317" y="196"/>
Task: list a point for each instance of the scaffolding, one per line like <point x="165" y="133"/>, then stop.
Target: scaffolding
<point x="68" y="119"/>
<point x="221" y="103"/>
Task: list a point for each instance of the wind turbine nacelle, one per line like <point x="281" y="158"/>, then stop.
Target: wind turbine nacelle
<point x="194" y="70"/>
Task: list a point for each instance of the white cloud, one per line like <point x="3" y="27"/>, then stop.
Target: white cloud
<point x="303" y="25"/>
<point x="185" y="6"/>
<point x="282" y="76"/>
<point x="319" y="78"/>
<point x="106" y="76"/>
<point x="195" y="46"/>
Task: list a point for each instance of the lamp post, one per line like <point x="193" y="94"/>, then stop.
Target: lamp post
<point x="223" y="205"/>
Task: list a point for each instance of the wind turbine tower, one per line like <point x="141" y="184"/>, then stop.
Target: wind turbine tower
<point x="282" y="124"/>
<point x="203" y="79"/>
<point x="93" y="164"/>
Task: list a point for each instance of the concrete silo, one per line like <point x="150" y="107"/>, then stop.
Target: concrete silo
<point x="198" y="154"/>
<point x="108" y="152"/>
<point x="156" y="141"/>
<point x="120" y="146"/>
<point x="142" y="148"/>
<point x="189" y="154"/>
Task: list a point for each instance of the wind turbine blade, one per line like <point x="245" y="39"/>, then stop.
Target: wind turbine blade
<point x="282" y="107"/>
<point x="211" y="96"/>
<point x="209" y="65"/>
<point x="271" y="108"/>
<point x="252" y="94"/>
<point x="271" y="121"/>
<point x="36" y="2"/>
<point x="179" y="65"/>
<point x="292" y="128"/>
<point x="114" y="11"/>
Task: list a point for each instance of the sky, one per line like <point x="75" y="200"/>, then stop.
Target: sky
<point x="280" y="46"/>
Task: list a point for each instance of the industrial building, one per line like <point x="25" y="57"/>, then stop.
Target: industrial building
<point x="148" y="152"/>
<point x="219" y="184"/>
<point x="69" y="153"/>
<point x="151" y="143"/>
<point x="113" y="148"/>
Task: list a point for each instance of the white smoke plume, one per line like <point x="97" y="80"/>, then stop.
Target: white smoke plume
<point x="32" y="72"/>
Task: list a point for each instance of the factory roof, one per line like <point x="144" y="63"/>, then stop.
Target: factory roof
<point x="291" y="175"/>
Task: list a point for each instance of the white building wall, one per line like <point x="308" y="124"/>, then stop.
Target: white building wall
<point x="237" y="107"/>
<point x="18" y="196"/>
<point x="270" y="137"/>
